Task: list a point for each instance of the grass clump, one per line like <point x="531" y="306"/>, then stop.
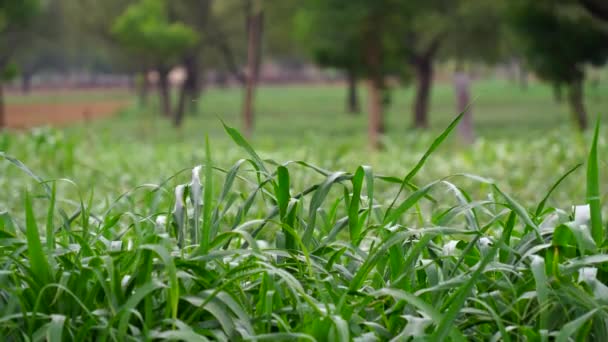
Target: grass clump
<point x="254" y="253"/>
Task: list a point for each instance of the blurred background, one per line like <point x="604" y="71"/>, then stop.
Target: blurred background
<point x="367" y="72"/>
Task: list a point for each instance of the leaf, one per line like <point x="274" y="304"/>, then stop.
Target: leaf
<point x="447" y="322"/>
<point x="126" y="310"/>
<point x="408" y="203"/>
<point x="171" y="273"/>
<point x="572" y="327"/>
<point x="50" y="229"/>
<point x="39" y="264"/>
<point x="315" y="203"/>
<point x="541" y="205"/>
<point x="593" y="190"/>
<point x="436" y="143"/>
<point x="25" y="169"/>
<point x="242" y="142"/>
<point x="520" y="211"/>
<point x="353" y="210"/>
<point x="207" y="234"/>
<point x="55" y="328"/>
<point x="542" y="288"/>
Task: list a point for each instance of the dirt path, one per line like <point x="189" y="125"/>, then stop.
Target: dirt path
<point x="22" y="116"/>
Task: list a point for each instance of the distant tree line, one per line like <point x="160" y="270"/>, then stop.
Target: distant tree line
<point x="370" y="41"/>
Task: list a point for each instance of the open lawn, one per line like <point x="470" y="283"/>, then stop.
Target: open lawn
<point x="306" y="234"/>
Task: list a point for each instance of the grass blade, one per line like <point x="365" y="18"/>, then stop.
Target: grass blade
<point x="573" y="326"/>
<point x="207" y="235"/>
<point x="436" y="143"/>
<point x="541" y="205"/>
<point x="242" y="142"/>
<point x="593" y="189"/>
<point x="39" y="264"/>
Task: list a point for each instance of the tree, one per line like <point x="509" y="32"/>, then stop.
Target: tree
<point x="480" y="39"/>
<point x="331" y="49"/>
<point x="47" y="46"/>
<point x="15" y="16"/>
<point x="195" y="14"/>
<point x="559" y="40"/>
<point x="255" y="23"/>
<point x="597" y="8"/>
<point x="366" y="36"/>
<point x="429" y="27"/>
<point x="146" y="30"/>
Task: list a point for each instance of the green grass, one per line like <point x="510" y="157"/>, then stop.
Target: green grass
<point x="288" y="113"/>
<point x="303" y="235"/>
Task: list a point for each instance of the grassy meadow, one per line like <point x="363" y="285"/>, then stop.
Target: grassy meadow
<point x="128" y="229"/>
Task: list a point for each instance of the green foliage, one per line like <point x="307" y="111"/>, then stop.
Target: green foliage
<point x="17" y="14"/>
<point x="145" y="29"/>
<point x="300" y="252"/>
<point x="9" y="72"/>
<point x="337" y="33"/>
<point x="559" y="40"/>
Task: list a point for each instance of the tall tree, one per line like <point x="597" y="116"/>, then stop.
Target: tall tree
<point x="15" y="16"/>
<point x="362" y="34"/>
<point x="597" y="8"/>
<point x="255" y="25"/>
<point x="146" y="30"/>
<point x="196" y="15"/>
<point x="331" y="49"/>
<point x="431" y="26"/>
<point x="559" y="40"/>
<point x="47" y="47"/>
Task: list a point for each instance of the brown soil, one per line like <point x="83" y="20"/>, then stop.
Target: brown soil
<point x="21" y="116"/>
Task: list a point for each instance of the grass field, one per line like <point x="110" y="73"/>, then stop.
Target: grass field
<point x="306" y="234"/>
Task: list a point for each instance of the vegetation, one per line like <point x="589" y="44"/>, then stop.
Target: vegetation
<point x="251" y="245"/>
<point x="313" y="224"/>
<point x="560" y="43"/>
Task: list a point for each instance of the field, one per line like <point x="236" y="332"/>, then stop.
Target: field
<point x="128" y="229"/>
<point x="58" y="107"/>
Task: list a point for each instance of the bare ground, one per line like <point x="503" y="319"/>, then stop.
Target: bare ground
<point x="21" y="116"/>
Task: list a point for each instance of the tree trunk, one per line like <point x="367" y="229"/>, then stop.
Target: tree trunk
<point x="376" y="112"/>
<point x="253" y="62"/>
<point x="352" y="104"/>
<point x="523" y="77"/>
<point x="144" y="89"/>
<point x="181" y="105"/>
<point x="577" y="105"/>
<point x="187" y="90"/>
<point x="164" y="89"/>
<point x="558" y="95"/>
<point x="375" y="84"/>
<point x="26" y="83"/>
<point x="424" y="78"/>
<point x="3" y="120"/>
<point x="462" y="87"/>
<point x="194" y="85"/>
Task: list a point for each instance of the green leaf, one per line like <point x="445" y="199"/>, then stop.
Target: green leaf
<point x="167" y="261"/>
<point x="353" y="210"/>
<point x="541" y="205"/>
<point x="572" y="327"/>
<point x="593" y="189"/>
<point x="55" y="328"/>
<point x="242" y="142"/>
<point x="50" y="229"/>
<point x="207" y="235"/>
<point x="436" y="143"/>
<point x="39" y="264"/>
<point x="446" y="325"/>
